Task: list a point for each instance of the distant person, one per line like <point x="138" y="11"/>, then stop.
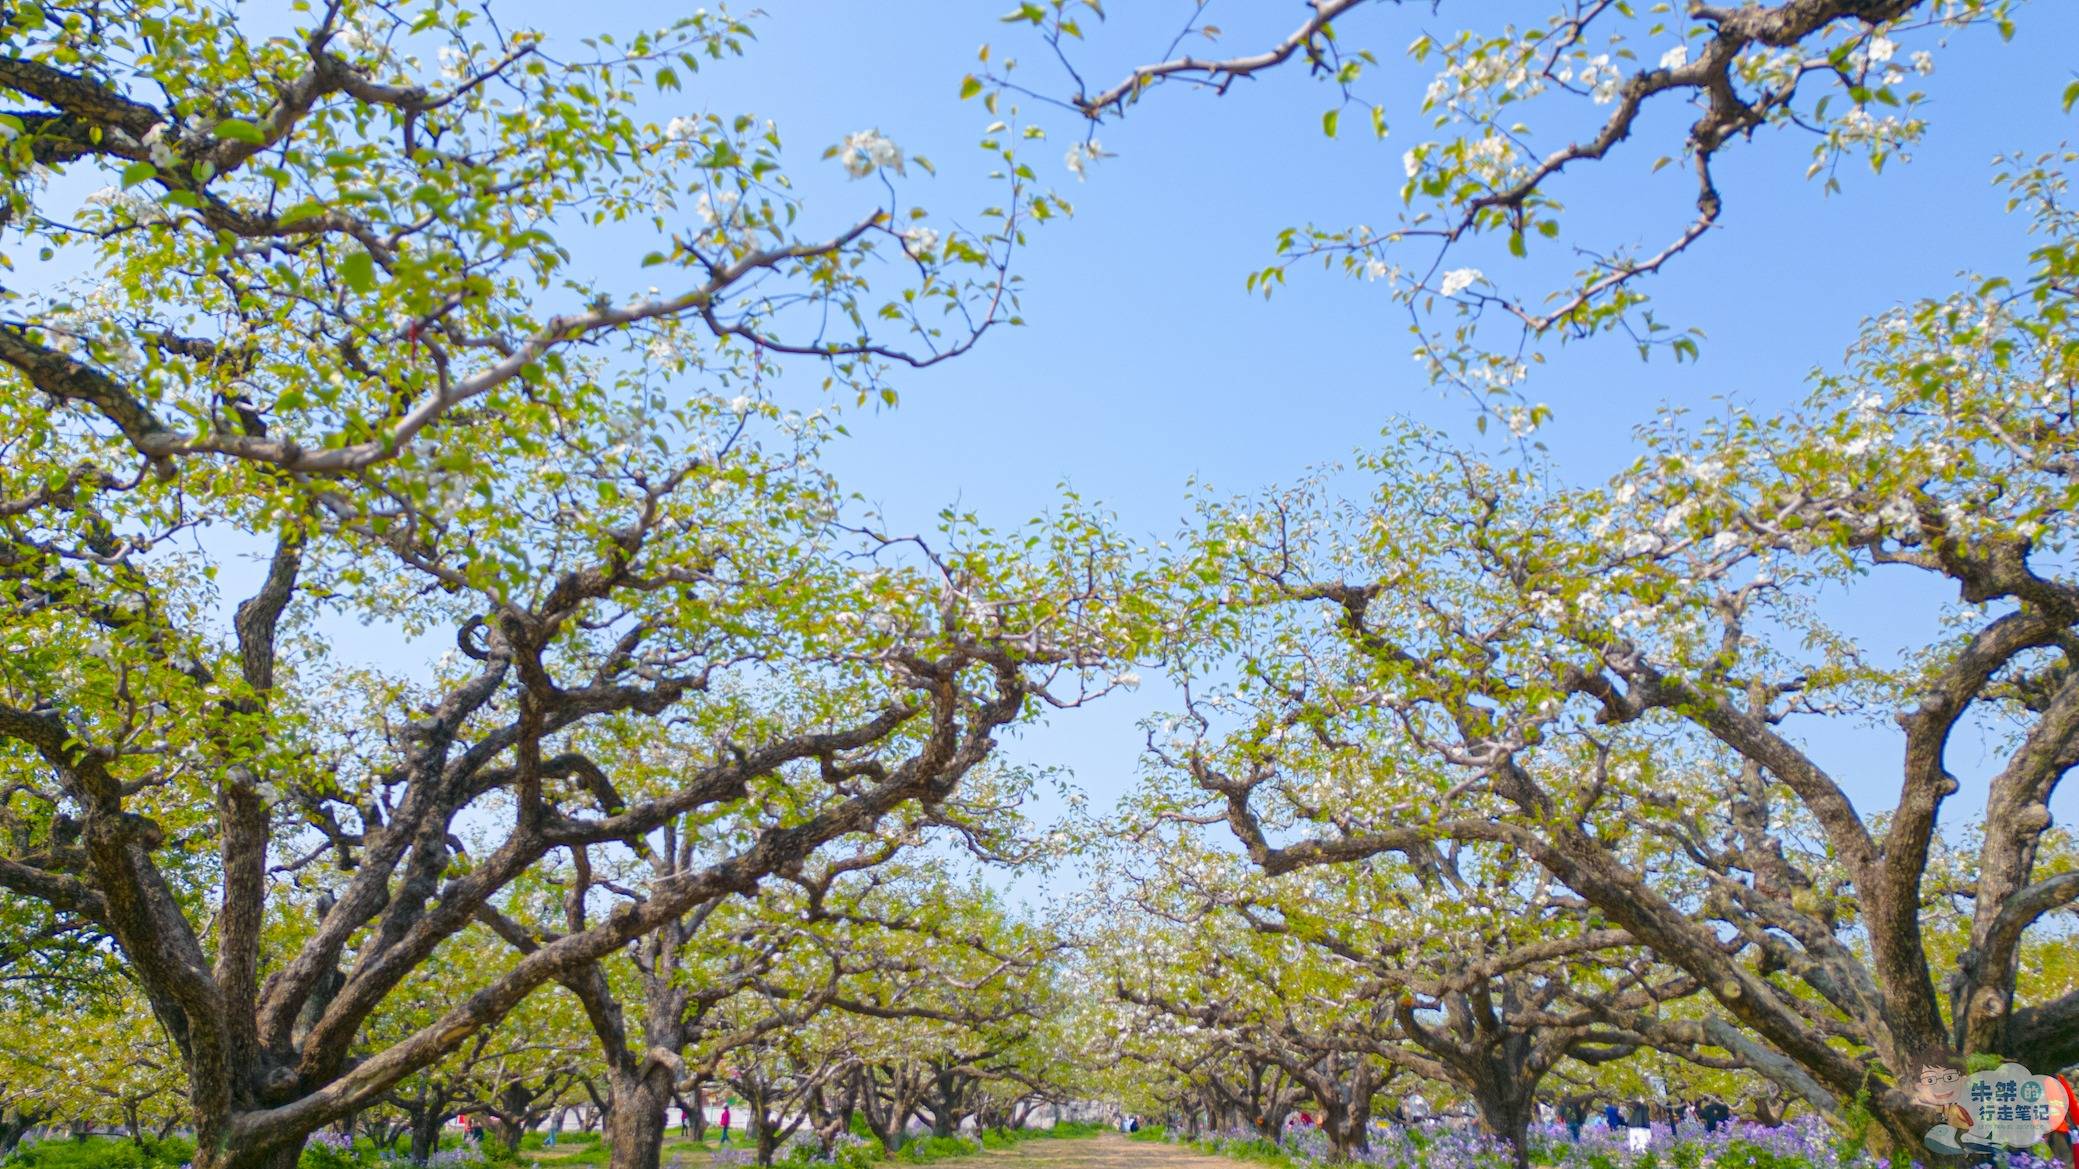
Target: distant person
<point x="1575" y="1114"/>
<point x="725" y="1124"/>
<point x="2059" y="1139"/>
<point x="1133" y="1124"/>
<point x="1639" y="1127"/>
<point x="1714" y="1113"/>
<point x="1613" y="1116"/>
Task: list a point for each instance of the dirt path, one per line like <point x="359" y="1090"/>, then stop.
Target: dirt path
<point x="1106" y="1151"/>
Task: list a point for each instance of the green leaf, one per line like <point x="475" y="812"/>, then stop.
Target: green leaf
<point x="240" y="130"/>
<point x="139" y="172"/>
<point x="1516" y="247"/>
<point x="1328" y="121"/>
<point x="358" y="270"/>
<point x="970" y="86"/>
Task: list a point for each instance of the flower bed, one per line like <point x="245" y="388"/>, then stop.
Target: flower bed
<point x="1805" y="1143"/>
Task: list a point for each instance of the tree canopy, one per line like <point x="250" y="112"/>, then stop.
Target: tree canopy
<point x="683" y="774"/>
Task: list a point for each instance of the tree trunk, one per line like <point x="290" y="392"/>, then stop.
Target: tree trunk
<point x="696" y="1108"/>
<point x="890" y="1125"/>
<point x="1900" y="1129"/>
<point x="277" y="1157"/>
<point x="512" y="1111"/>
<point x="425" y="1134"/>
<point x="1505" y="1111"/>
<point x="379" y="1132"/>
<point x="634" y="1125"/>
<point x="15" y="1127"/>
<point x="1345" y="1124"/>
<point x="1270" y="1125"/>
<point x="507" y="1128"/>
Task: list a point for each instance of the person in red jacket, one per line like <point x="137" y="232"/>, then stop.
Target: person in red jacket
<point x="2060" y="1138"/>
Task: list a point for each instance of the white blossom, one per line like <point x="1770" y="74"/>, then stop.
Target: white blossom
<point x="454" y="63"/>
<point x="161" y="150"/>
<point x="1677" y="515"/>
<point x="1675" y="58"/>
<point x="866" y="151"/>
<point x="717" y="208"/>
<point x="1491" y="158"/>
<point x="920" y="242"/>
<point x="1457" y="280"/>
<point x="1079" y="157"/>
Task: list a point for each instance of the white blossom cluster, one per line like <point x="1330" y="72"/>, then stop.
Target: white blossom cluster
<point x="1080" y="156"/>
<point x="864" y="152"/>
<point x="1484" y="73"/>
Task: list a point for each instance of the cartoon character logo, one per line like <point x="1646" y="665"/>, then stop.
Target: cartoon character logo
<point x="1940" y="1086"/>
<point x="2006" y="1107"/>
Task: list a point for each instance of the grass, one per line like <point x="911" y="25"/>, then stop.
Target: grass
<point x="1068" y="1130"/>
<point x="586" y="1149"/>
<point x="102" y="1153"/>
<point x="1260" y="1151"/>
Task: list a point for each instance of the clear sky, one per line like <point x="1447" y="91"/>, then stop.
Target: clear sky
<point x="1145" y="362"/>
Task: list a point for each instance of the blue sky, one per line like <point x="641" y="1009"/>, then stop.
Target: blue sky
<point x="1146" y="364"/>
